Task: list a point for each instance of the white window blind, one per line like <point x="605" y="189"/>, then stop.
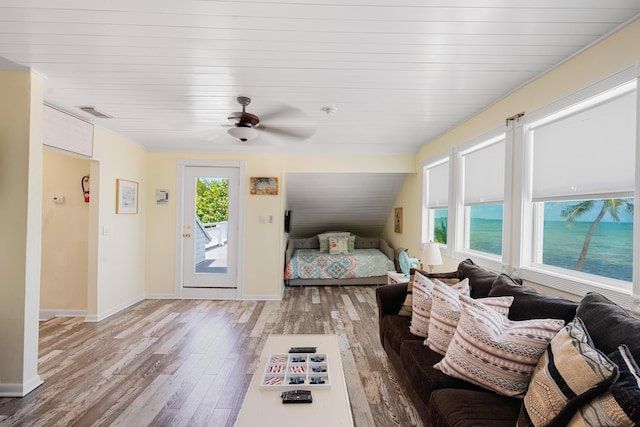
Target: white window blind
<point x="484" y="174"/>
<point x="588" y="154"/>
<point x="438" y="185"/>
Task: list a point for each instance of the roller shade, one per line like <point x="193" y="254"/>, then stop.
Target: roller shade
<point x="589" y="154"/>
<point x="484" y="175"/>
<point x="438" y="185"/>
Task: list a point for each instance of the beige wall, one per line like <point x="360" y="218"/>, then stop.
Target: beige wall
<point x="607" y="57"/>
<point x="264" y="244"/>
<point x="20" y="228"/>
<point x="117" y="241"/>
<point x="65" y="232"/>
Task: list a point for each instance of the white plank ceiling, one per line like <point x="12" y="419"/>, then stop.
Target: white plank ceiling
<point x="398" y="72"/>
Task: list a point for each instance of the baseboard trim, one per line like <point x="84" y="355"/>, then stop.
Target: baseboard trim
<point x="93" y="318"/>
<point x="20" y="390"/>
<point x="161" y="296"/>
<point x="50" y="314"/>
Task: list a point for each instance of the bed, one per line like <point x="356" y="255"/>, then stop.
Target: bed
<point x="367" y="262"/>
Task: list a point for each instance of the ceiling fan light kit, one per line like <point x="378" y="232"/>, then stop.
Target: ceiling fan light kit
<point x="242" y="133"/>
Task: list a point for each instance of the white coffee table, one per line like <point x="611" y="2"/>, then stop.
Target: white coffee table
<point x="330" y="407"/>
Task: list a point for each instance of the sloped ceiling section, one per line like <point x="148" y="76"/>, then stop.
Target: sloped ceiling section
<point x="357" y="202"/>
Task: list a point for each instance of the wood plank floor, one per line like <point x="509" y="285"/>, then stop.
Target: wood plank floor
<point x="189" y="362"/>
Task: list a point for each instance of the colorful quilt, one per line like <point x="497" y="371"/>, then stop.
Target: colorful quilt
<point x="313" y="264"/>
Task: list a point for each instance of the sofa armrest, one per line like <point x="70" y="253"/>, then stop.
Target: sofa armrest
<point x="289" y="253"/>
<point x="386" y="249"/>
<point x="389" y="299"/>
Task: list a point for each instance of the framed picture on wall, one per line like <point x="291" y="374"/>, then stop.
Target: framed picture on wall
<point x="263" y="186"/>
<point x="126" y="197"/>
<point x="397" y="220"/>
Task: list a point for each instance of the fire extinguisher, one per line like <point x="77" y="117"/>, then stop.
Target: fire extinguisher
<point x="85" y="188"/>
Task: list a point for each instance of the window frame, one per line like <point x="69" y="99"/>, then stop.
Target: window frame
<point x="427" y="216"/>
<point x="526" y="215"/>
<point x="462" y="228"/>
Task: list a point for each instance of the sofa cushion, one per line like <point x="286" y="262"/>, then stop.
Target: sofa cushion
<point x="466" y="408"/>
<point x="395" y="330"/>
<point x="528" y="303"/>
<point x="570" y="373"/>
<point x="621" y="405"/>
<point x="445" y="314"/>
<point x="418" y="360"/>
<point x="609" y="325"/>
<point x="494" y="352"/>
<point x="480" y="279"/>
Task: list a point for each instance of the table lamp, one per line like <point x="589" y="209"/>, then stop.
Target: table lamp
<point x="431" y="255"/>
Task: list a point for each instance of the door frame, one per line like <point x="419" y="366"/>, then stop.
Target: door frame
<point x="209" y="293"/>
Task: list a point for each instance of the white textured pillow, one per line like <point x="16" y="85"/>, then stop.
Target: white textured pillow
<point x="445" y="314"/>
<point x="422" y="299"/>
<point x="494" y="352"/>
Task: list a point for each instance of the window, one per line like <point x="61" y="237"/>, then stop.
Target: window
<point x="483" y="168"/>
<point x="436" y="201"/>
<point x="582" y="162"/>
<point x="590" y="236"/>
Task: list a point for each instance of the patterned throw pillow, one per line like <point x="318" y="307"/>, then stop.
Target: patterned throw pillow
<point x="339" y="245"/>
<point x="621" y="406"/>
<point x="496" y="353"/>
<point x="324" y="239"/>
<point x="570" y="373"/>
<point x="421" y="306"/>
<point x="445" y="314"/>
<point x="407" y="305"/>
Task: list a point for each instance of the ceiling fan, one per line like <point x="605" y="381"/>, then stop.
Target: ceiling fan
<point x="278" y="123"/>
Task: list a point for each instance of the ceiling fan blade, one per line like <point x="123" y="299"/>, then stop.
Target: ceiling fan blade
<point x="298" y="133"/>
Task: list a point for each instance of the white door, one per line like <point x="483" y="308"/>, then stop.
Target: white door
<point x="209" y="230"/>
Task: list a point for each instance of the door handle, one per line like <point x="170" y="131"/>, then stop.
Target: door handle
<point x="187" y="235"/>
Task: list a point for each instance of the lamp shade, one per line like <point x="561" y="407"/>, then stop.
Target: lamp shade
<point x="242" y="133"/>
<point x="431" y="254"/>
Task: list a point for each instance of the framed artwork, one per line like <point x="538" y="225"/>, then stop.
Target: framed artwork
<point x="126" y="197"/>
<point x="263" y="186"/>
<point x="397" y="220"/>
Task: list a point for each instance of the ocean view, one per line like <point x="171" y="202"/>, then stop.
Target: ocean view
<point x="610" y="252"/>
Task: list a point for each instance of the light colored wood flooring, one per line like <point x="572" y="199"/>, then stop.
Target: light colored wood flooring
<point x="189" y="362"/>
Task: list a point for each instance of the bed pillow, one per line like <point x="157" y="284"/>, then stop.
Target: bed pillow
<point x="445" y="314"/>
<point x="621" y="405"/>
<point x="338" y="245"/>
<point x="421" y="306"/>
<point x="494" y="352"/>
<point x="570" y="373"/>
<point x="324" y="239"/>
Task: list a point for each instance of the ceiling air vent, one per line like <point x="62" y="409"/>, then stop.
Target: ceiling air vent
<point x="95" y="112"/>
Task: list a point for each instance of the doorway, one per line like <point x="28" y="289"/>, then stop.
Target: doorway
<point x="209" y="229"/>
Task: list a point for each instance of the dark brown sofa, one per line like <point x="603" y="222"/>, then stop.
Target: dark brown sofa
<point x="445" y="401"/>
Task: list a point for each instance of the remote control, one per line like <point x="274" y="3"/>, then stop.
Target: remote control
<point x="296" y="396"/>
<point x="302" y="349"/>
